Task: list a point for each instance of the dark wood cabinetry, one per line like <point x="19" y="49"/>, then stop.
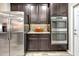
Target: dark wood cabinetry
<point x="59" y="9"/>
<point x="39" y="42"/>
<point x="42" y="42"/>
<point x="39" y="16"/>
<point x="33" y="44"/>
<point x="17" y="7"/>
<point x="34" y="13"/>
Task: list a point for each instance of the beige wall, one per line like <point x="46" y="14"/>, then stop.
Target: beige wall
<point x="4" y="6"/>
<point x="43" y="26"/>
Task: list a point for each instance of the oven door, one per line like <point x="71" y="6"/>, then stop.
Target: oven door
<point x="59" y="24"/>
<point x="58" y="38"/>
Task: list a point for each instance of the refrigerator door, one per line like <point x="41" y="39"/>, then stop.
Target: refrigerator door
<point x="17" y="33"/>
<point x="4" y="39"/>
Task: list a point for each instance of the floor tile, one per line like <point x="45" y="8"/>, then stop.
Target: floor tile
<point x="57" y="53"/>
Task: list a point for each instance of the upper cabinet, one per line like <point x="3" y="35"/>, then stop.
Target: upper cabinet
<point x="43" y="13"/>
<point x="39" y="14"/>
<point x="33" y="13"/>
<point x="16" y="7"/>
<point x="59" y="9"/>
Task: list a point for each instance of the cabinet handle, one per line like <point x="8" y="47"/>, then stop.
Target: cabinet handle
<point x="33" y="38"/>
<point x="44" y="38"/>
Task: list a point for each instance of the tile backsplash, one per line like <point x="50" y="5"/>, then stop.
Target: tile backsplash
<point x="43" y="26"/>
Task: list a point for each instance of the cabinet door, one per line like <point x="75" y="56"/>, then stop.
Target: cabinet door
<point x="53" y="9"/>
<point x="20" y="7"/>
<point x="34" y="14"/>
<point x="44" y="42"/>
<point x="43" y="13"/>
<point x="17" y="7"/>
<point x="64" y="9"/>
<point x="14" y="7"/>
<point x="59" y="9"/>
<point x="33" y="44"/>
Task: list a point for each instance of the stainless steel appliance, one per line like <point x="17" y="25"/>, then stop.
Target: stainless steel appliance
<point x="11" y="33"/>
<point x="59" y="30"/>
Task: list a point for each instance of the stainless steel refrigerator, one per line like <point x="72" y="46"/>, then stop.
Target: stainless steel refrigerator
<point x="11" y="33"/>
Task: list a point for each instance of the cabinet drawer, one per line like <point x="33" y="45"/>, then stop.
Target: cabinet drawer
<point x="33" y="36"/>
<point x="44" y="36"/>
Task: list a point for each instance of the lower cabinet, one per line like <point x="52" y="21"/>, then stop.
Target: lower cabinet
<point x="44" y="44"/>
<point x="33" y="44"/>
<point x="38" y="42"/>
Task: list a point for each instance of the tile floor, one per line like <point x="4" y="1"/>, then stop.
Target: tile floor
<point x="50" y="53"/>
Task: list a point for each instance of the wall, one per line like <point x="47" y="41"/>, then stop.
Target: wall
<point x="43" y="26"/>
<point x="70" y="17"/>
<point x="4" y="6"/>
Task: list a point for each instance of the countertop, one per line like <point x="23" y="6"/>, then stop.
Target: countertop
<point x="38" y="32"/>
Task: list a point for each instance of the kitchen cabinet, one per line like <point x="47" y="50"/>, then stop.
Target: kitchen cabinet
<point x="59" y="9"/>
<point x="39" y="14"/>
<point x="16" y="7"/>
<point x="38" y="42"/>
<point x="34" y="14"/>
<point x="33" y="44"/>
<point x="44" y="44"/>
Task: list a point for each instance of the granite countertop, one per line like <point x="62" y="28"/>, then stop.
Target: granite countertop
<point x="38" y="32"/>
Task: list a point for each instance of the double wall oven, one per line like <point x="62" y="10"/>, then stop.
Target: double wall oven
<point x="59" y="30"/>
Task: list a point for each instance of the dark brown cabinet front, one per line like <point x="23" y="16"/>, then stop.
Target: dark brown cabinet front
<point x="38" y="42"/>
<point x="33" y="44"/>
<point x="59" y="9"/>
<point x="39" y="13"/>
<point x="44" y="44"/>
<point x="17" y="7"/>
